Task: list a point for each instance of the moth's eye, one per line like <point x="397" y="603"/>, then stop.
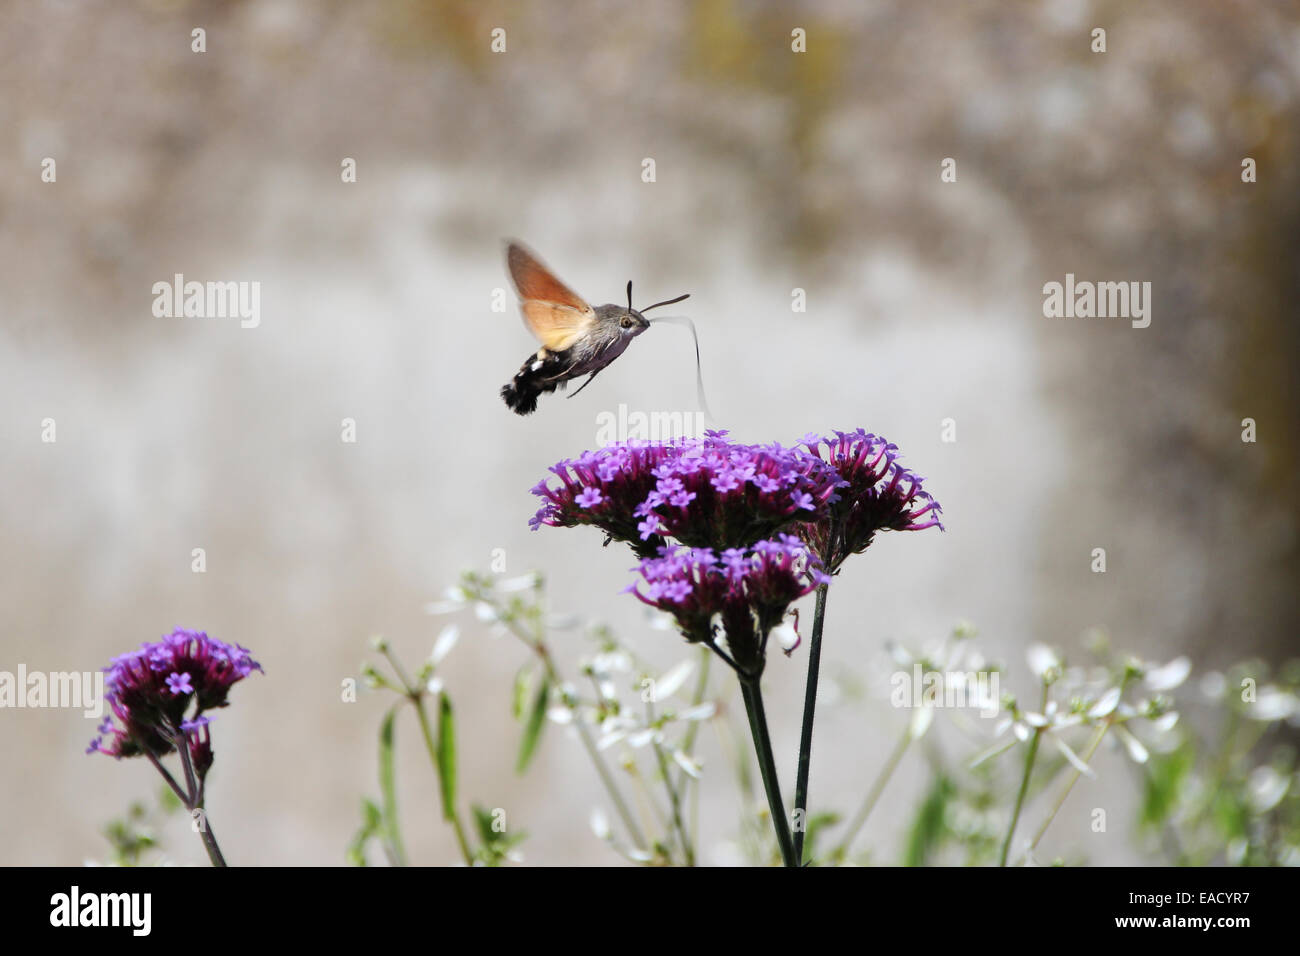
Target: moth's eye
<point x="626" y="322"/>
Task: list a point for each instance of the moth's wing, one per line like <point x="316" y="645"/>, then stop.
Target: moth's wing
<point x="554" y="313"/>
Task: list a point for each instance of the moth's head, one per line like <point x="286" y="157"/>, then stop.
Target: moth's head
<point x="629" y="321"/>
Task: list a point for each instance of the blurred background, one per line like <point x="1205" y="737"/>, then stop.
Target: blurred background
<point x="774" y="170"/>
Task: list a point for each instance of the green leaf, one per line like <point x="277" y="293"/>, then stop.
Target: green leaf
<point x="1163" y="784"/>
<point x="816" y="823"/>
<point x="483" y="820"/>
<point x="388" y="789"/>
<point x="447" y="756"/>
<point x="372" y="820"/>
<point x="519" y="698"/>
<point x="929" y="829"/>
<point x="533" y="731"/>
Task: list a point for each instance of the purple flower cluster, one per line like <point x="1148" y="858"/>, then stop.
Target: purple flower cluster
<point x="604" y="488"/>
<point x="876" y="494"/>
<point x="718" y="524"/>
<point x="747" y="590"/>
<point x="719" y="494"/>
<point x="706" y="493"/>
<point x="150" y="691"/>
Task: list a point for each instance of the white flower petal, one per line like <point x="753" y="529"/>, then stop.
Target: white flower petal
<point x="1106" y="704"/>
<point x="443" y="645"/>
<point x="1165" y="722"/>
<point x="1041" y="659"/>
<point x="922" y="717"/>
<point x="672" y="681"/>
<point x="699" y="712"/>
<point x="1074" y="758"/>
<point x="687" y="763"/>
<point x="1266" y="788"/>
<point x="1169" y="676"/>
<point x="600" y="824"/>
<point x="1137" y="753"/>
<point x="641" y="737"/>
<point x="521" y="583"/>
<point x="1273" y="704"/>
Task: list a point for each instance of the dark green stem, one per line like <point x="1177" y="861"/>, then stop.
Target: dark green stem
<point x="749" y="686"/>
<point x="809" y="708"/>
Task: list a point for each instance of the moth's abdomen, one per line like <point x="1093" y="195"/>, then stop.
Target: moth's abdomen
<point x="543" y="372"/>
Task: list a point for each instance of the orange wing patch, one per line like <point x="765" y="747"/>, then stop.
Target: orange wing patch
<point x="554" y="313"/>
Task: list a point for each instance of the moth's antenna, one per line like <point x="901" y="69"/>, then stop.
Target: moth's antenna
<point x="699" y="375"/>
<point x="629" y="295"/>
<point x="665" y="302"/>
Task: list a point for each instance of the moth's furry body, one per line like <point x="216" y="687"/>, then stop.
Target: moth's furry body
<point x="576" y="338"/>
<point x="546" y="370"/>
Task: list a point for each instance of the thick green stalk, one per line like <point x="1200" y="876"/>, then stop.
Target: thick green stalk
<point x="753" y="695"/>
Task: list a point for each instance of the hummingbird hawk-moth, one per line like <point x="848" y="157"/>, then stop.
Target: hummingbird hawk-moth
<point x="576" y="338"/>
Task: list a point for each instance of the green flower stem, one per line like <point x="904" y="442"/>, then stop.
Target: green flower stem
<point x="1060" y="801"/>
<point x="684" y="779"/>
<point x="673" y="796"/>
<point x="194" y="801"/>
<point x="809" y="707"/>
<point x="415" y="694"/>
<point x="749" y="686"/>
<point x="450" y="814"/>
<point x="1020" y="798"/>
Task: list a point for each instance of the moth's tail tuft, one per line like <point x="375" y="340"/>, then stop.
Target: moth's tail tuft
<point x="538" y="375"/>
<point x="521" y="397"/>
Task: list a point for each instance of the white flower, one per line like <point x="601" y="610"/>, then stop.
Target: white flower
<point x="1272" y="704"/>
<point x="1042" y="659"/>
<point x="1266" y="788"/>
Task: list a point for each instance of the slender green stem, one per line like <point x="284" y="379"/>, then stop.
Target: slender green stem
<point x="1020" y="798"/>
<point x="809" y="707"/>
<point x="684" y="779"/>
<point x="194" y="800"/>
<point x="674" y="798"/>
<point x="450" y="814"/>
<point x="873" y="795"/>
<point x="753" y="694"/>
<point x="1060" y="801"/>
